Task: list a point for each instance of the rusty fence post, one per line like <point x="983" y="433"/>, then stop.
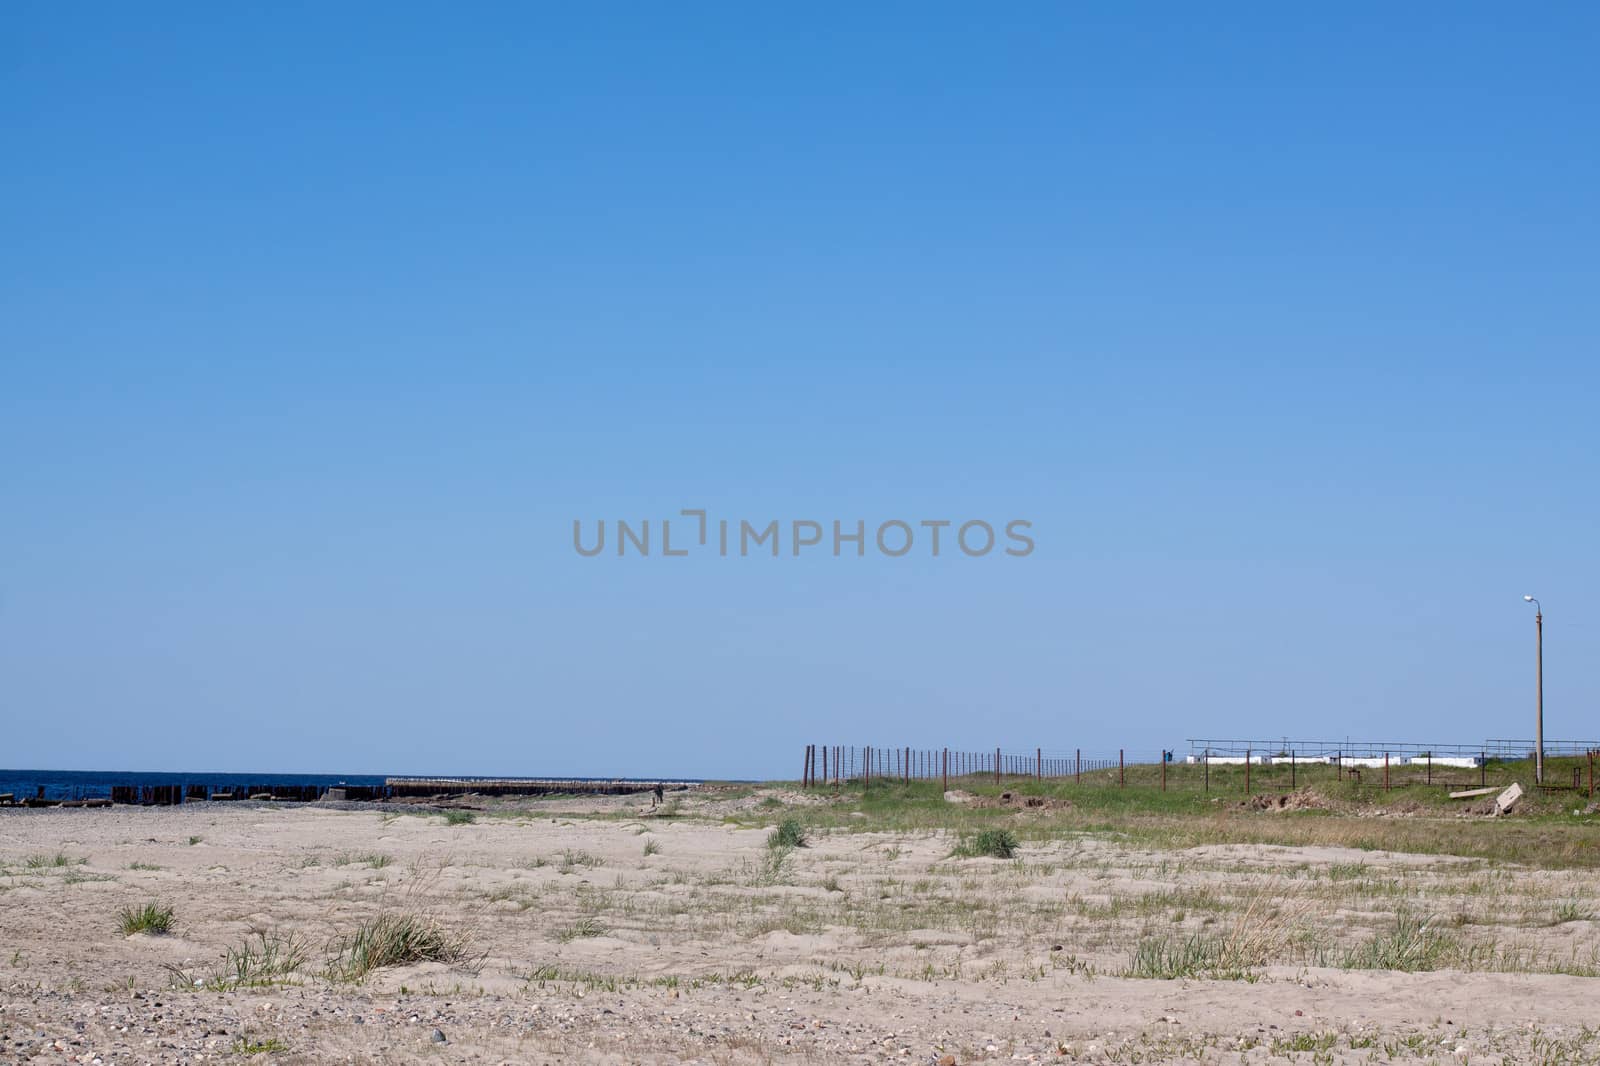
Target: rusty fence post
<point x="866" y="768"/>
<point x="947" y="769"/>
<point x="1077" y="772"/>
<point x="1038" y="764"/>
<point x="1291" y="770"/>
<point x="1122" y="769"/>
<point x="1247" y="771"/>
<point x="997" y="766"/>
<point x="1430" y="767"/>
<point x="1386" y="771"/>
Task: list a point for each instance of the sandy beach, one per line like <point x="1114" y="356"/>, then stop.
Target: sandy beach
<point x="596" y="930"/>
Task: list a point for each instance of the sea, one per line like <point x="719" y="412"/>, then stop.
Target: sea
<point x="96" y="784"/>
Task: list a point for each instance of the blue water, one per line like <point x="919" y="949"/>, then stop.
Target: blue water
<point x="96" y="784"/>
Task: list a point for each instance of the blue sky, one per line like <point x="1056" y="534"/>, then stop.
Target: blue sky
<point x="320" y="326"/>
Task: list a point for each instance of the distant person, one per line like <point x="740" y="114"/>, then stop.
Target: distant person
<point x="657" y="796"/>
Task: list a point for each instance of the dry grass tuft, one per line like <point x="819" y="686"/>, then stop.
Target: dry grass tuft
<point x="397" y="938"/>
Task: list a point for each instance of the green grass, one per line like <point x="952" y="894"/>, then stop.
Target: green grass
<point x="397" y="938"/>
<point x="789" y="834"/>
<point x="459" y="817"/>
<point x="1260" y="933"/>
<point x="270" y="1046"/>
<point x="261" y="961"/>
<point x="1194" y="957"/>
<point x="987" y="843"/>
<point x="264" y="959"/>
<point x="376" y="860"/>
<point x="1544" y="834"/>
<point x="580" y="929"/>
<point x="155" y="919"/>
<point x="571" y="858"/>
<point x="772" y="868"/>
<point x="651" y="848"/>
<point x="48" y="862"/>
<point x="1412" y="944"/>
<point x="1571" y="911"/>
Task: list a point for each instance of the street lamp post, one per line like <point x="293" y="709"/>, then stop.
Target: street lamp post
<point x="1538" y="675"/>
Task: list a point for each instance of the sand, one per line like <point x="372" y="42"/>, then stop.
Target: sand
<point x="862" y="947"/>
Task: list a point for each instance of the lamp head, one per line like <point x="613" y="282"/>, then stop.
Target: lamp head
<point x="1528" y="598"/>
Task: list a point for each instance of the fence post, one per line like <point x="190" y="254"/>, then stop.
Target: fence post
<point x="1122" y="770"/>
<point x="1483" y="768"/>
<point x="1386" y="771"/>
<point x="1208" y="769"/>
<point x="866" y="767"/>
<point x="997" y="766"/>
<point x="947" y="769"/>
<point x="1163" y="769"/>
<point x="1591" y="773"/>
<point x="1430" y="767"/>
<point x="1077" y="773"/>
<point x="1291" y="769"/>
<point x="1247" y="771"/>
<point x="805" y="767"/>
<point x="1038" y="763"/>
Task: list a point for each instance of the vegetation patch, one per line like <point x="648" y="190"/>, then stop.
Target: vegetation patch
<point x="1413" y="944"/>
<point x="789" y="834"/>
<point x="247" y="1046"/>
<point x="263" y="959"/>
<point x="156" y="919"/>
<point x="397" y="938"/>
<point x="987" y="843"/>
<point x="52" y="862"/>
<point x="580" y="929"/>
